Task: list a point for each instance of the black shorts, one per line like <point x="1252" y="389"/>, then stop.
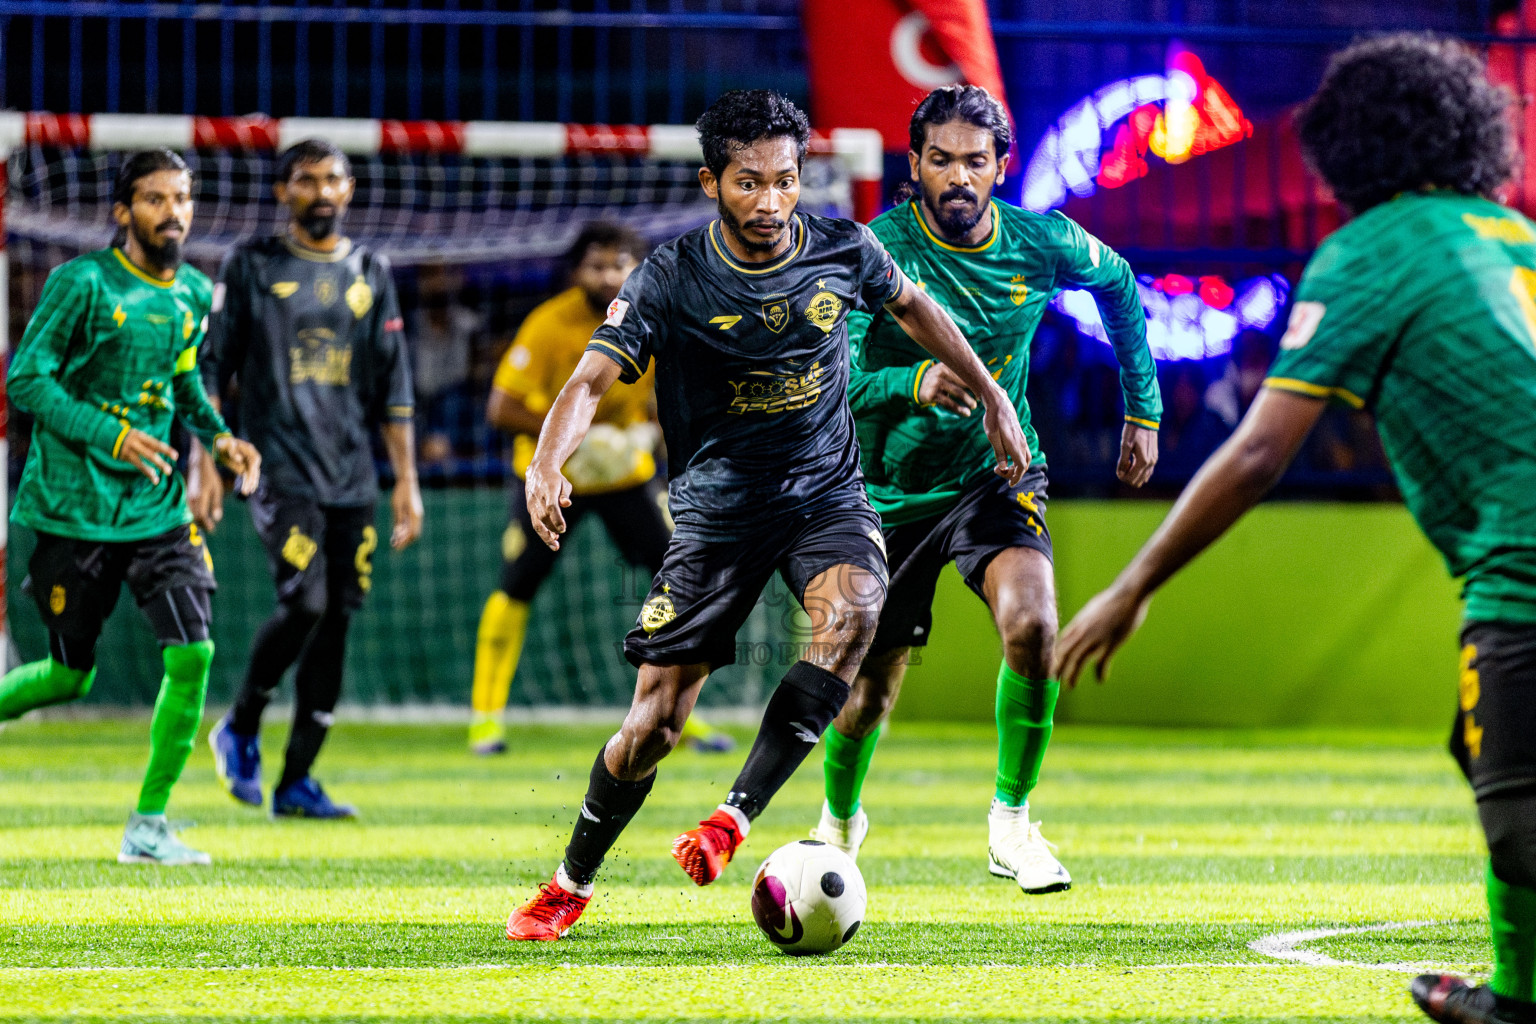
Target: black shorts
<point x="636" y="518"/>
<point x="321" y="556"/>
<point x="1494" y="735"/>
<point x="706" y="588"/>
<point x="76" y="582"/>
<point x="989" y="518"/>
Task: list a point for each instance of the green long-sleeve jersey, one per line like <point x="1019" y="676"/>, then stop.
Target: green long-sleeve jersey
<point x="109" y="349"/>
<point x="918" y="460"/>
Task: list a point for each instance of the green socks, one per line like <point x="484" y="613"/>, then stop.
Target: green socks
<point x="1512" y="918"/>
<point x="40" y="683"/>
<point x="178" y="713"/>
<point x="1025" y="708"/>
<point x="844" y="767"/>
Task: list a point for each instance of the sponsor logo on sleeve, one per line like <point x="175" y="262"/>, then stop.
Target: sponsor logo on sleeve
<point x="616" y="311"/>
<point x="218" y="297"/>
<point x="1305" y="316"/>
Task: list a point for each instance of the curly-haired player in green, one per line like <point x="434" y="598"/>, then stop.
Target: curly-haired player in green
<point x="1422" y="309"/>
<point x="108" y="360"/>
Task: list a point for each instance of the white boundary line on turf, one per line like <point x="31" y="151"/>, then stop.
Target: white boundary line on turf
<point x="1283" y="946"/>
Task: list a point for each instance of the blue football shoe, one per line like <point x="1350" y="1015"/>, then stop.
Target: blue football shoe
<point x="237" y="759"/>
<point x="305" y="799"/>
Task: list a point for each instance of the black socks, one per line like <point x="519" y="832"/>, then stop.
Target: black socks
<point x="799" y="712"/>
<point x="610" y="803"/>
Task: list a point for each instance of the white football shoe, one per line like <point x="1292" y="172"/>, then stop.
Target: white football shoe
<point x="846" y="834"/>
<point x="1017" y="850"/>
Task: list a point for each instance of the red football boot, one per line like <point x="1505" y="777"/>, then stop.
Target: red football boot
<point x="704" y="852"/>
<point x="548" y="916"/>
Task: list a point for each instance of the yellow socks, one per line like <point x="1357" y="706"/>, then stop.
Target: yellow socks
<point x="498" y="645"/>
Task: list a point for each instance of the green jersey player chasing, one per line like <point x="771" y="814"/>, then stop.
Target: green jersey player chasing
<point x="927" y="463"/>
<point x="107" y="362"/>
<point x="1421" y="309"/>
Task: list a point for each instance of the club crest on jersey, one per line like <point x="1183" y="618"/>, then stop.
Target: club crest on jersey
<point x="824" y="308"/>
<point x="359" y="298"/>
<point x="298" y="549"/>
<point x="325" y="290"/>
<point x="56" y="600"/>
<point x="658" y="611"/>
<point x="1018" y="290"/>
<point x="776" y="312"/>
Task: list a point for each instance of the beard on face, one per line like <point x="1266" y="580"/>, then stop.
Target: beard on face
<point x="319" y="225"/>
<point x="739" y="229"/>
<point x="955" y="221"/>
<point x="167" y="254"/>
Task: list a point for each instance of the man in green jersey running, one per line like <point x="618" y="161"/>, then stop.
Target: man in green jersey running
<point x="927" y="464"/>
<point x="1421" y="309"/>
<point x="108" y="360"/>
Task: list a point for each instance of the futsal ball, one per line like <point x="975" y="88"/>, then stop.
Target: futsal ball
<point x="808" y="897"/>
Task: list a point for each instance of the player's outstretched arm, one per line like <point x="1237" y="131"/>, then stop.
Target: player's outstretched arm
<point x="564" y="428"/>
<point x="1230" y="483"/>
<point x="931" y="327"/>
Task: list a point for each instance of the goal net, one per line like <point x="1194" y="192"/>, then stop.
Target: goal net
<point x="495" y="205"/>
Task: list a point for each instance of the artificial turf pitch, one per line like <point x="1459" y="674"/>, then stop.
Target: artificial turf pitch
<point x="1185" y="847"/>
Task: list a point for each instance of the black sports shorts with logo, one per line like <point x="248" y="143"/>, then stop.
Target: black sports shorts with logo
<point x="706" y="587"/>
<point x="1494" y="735"/>
<point x="76" y="584"/>
<point x="636" y="519"/>
<point x="989" y="518"/>
<point x="321" y="555"/>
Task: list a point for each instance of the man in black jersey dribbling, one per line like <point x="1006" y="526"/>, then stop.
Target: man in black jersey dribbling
<point x="746" y="319"/>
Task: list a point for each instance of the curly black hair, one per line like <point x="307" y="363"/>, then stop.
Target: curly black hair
<point x="743" y="116"/>
<point x="1405" y="111"/>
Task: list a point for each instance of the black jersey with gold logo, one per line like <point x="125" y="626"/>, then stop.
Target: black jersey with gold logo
<point x="752" y="368"/>
<point x="314" y="342"/>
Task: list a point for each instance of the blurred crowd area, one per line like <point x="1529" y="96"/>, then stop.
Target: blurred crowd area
<point x="460" y="321"/>
<point x="460" y="324"/>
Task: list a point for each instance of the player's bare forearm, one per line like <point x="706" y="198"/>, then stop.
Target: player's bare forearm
<point x="405" y="502"/>
<point x="1230" y="483"/>
<point x="564" y="428"/>
<point x="510" y="413"/>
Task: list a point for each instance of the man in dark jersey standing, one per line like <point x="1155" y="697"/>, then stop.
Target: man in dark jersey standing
<point x="307" y="325"/>
<point x="747" y="321"/>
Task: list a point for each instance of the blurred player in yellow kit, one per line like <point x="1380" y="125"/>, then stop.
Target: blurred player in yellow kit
<point x="613" y="472"/>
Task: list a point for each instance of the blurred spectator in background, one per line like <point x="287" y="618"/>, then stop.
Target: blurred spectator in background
<point x="443" y="332"/>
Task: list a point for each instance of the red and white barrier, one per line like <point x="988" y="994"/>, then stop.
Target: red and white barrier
<point x="859" y="148"/>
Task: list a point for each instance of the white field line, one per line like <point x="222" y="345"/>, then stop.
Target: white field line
<point x="1283" y="946"/>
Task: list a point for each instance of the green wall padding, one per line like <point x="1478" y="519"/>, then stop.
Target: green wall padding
<point x="1305" y="614"/>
